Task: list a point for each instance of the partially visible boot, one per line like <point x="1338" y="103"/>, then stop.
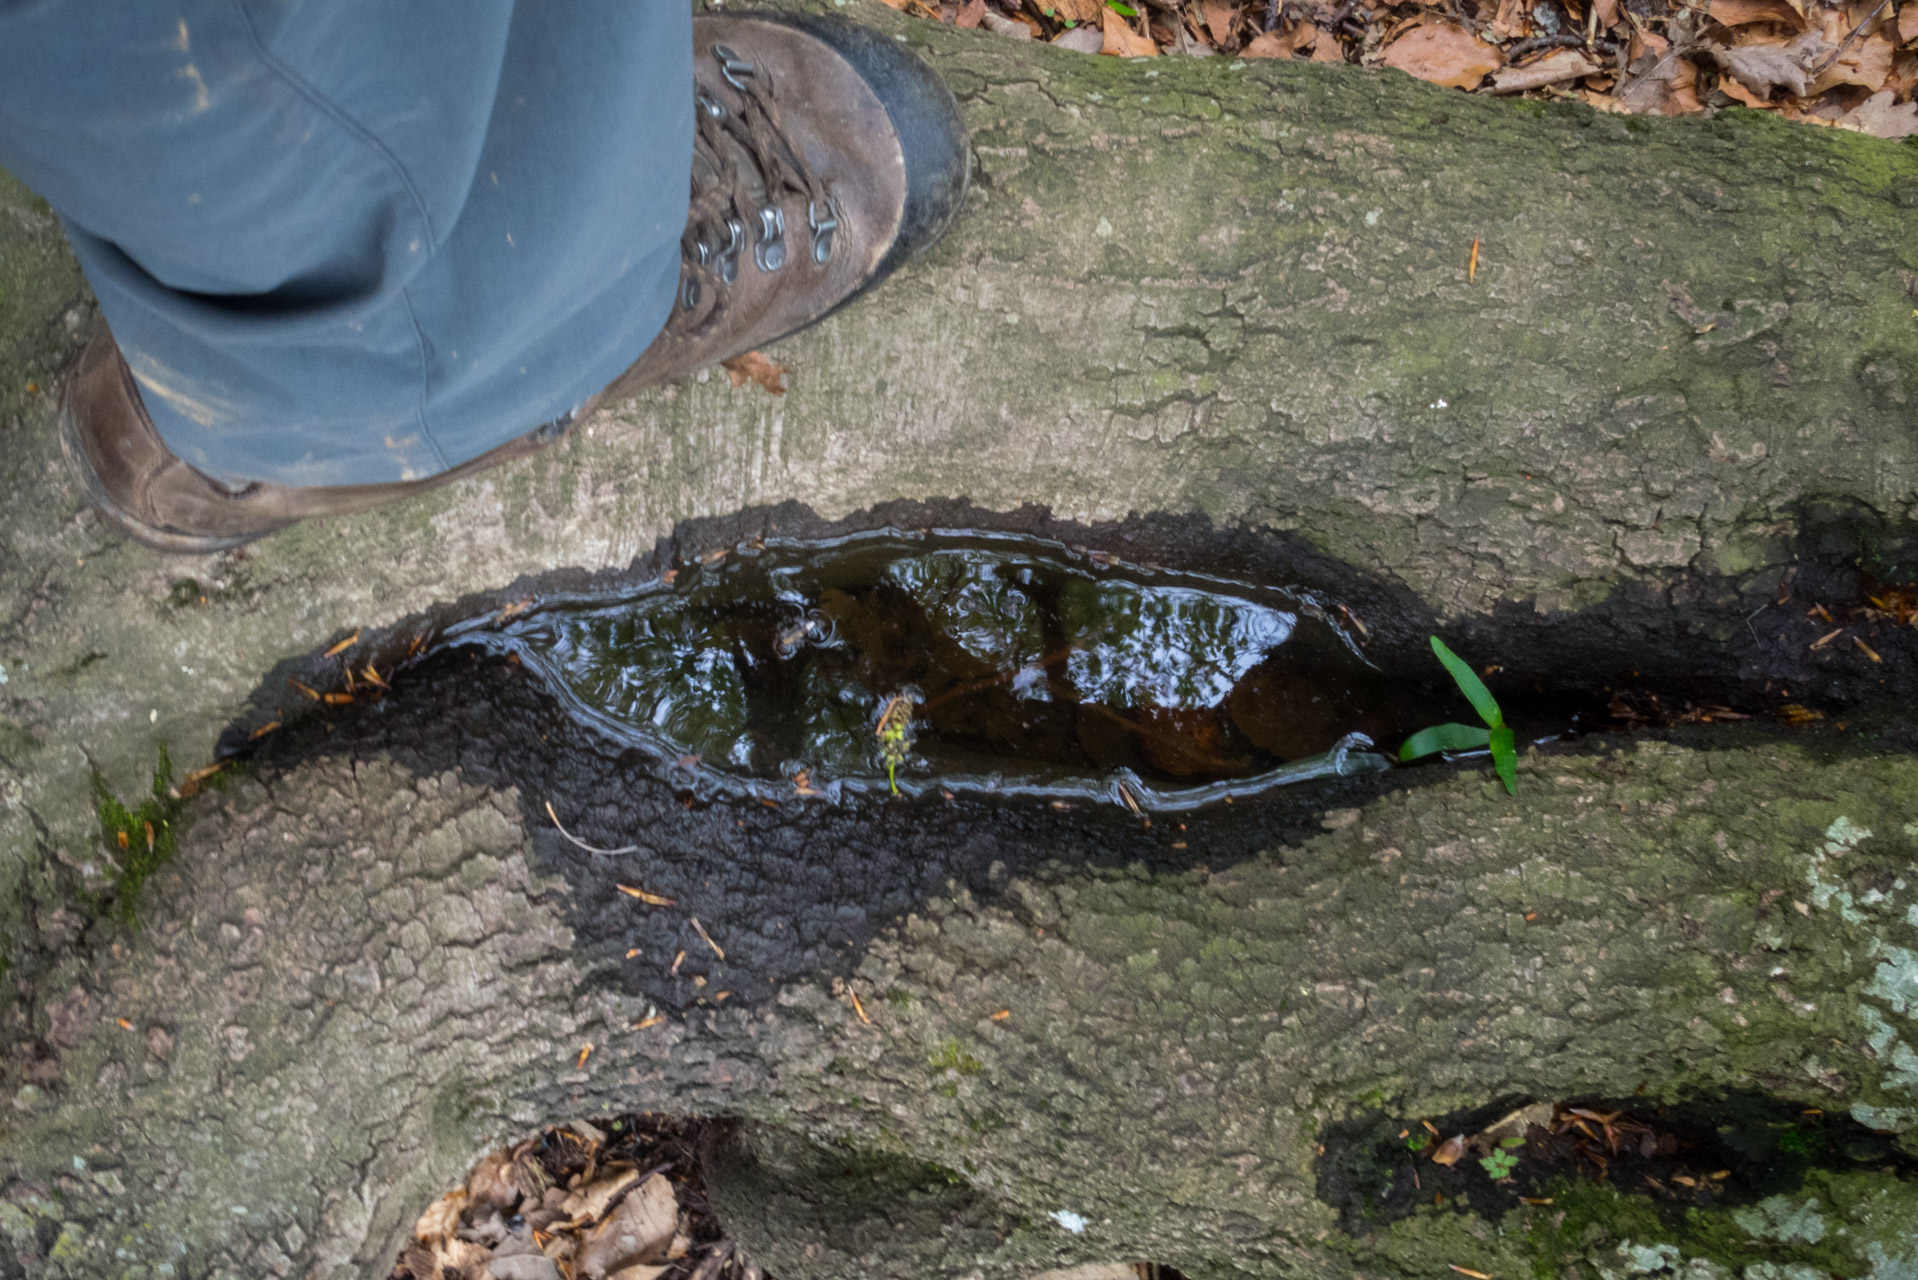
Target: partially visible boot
<point x="141" y="488"/>
<point x="826" y="155"/>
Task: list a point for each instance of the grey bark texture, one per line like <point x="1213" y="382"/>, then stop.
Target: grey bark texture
<point x="352" y="981"/>
<point x="1236" y="290"/>
<point x="1188" y="286"/>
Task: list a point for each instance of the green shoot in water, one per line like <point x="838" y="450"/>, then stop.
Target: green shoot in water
<point x="1464" y="737"/>
<point x="895" y="735"/>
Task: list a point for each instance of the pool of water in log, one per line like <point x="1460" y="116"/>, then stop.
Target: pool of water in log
<point x="970" y="662"/>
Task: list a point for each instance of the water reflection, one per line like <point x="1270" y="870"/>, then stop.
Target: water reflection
<point x="1010" y="666"/>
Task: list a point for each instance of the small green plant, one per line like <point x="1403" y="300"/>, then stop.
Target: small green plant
<point x="140" y="838"/>
<point x="1500" y="1163"/>
<point x="894" y="732"/>
<point x="1464" y="737"/>
<point x="1417" y="1142"/>
<point x="1123" y="10"/>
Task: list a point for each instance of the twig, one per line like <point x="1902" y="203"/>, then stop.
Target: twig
<point x="1532" y="44"/>
<point x="1845" y="44"/>
<point x="1272" y="10"/>
<point x="604" y="853"/>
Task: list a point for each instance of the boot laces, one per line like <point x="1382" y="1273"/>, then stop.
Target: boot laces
<point x="745" y="168"/>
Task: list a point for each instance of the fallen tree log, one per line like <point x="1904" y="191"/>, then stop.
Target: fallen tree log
<point x="1681" y="375"/>
<point x="359" y="974"/>
<point x="1686" y="363"/>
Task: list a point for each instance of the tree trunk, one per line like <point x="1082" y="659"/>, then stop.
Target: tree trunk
<point x="1683" y="371"/>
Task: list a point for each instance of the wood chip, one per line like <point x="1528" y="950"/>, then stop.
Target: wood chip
<point x="707" y="938"/>
<point x="650" y="899"/>
<point x="1868" y="651"/>
<point x="343" y="645"/>
<point x="1827" y="638"/>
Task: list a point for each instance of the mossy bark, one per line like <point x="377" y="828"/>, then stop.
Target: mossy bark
<point x="1239" y="289"/>
<point x="352" y="980"/>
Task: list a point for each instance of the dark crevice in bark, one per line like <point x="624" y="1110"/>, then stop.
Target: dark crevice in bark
<point x="798" y="890"/>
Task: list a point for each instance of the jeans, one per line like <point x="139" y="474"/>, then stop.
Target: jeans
<point x="359" y="241"/>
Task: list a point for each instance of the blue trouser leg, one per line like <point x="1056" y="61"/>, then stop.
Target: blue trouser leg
<point x="359" y="241"/>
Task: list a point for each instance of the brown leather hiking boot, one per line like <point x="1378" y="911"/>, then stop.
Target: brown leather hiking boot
<point x="141" y="488"/>
<point x="827" y="154"/>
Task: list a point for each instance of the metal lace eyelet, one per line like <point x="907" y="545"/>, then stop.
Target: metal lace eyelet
<point x="728" y="258"/>
<point x="689" y="293"/>
<point x="709" y="104"/>
<point x="822" y="229"/>
<point x="770" y="252"/>
<point x="732" y="66"/>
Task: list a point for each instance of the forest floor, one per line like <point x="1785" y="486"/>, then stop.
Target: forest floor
<point x="1851" y="65"/>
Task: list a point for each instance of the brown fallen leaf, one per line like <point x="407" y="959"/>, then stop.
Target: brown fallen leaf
<point x="1908" y="25"/>
<point x="1667" y="85"/>
<point x="970" y="15"/>
<point x="1865" y="62"/>
<point x="1739" y="93"/>
<point x="639" y="1230"/>
<point x="1511" y="21"/>
<point x="490" y="1185"/>
<point x="1324" y="45"/>
<point x="1555" y="67"/>
<point x="1443" y="53"/>
<point x="1739" y="13"/>
<point x="1267" y="44"/>
<point x="1121" y="41"/>
<point x="1881" y="118"/>
<point x="1764" y="64"/>
<point x="1450" y="1150"/>
<point x="442" y="1217"/>
<point x="1079" y="10"/>
<point x="753" y="366"/>
<point x="588" y="1204"/>
<point x="1220" y="19"/>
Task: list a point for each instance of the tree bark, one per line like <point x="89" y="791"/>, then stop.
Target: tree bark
<point x="354" y="978"/>
<point x="1241" y="290"/>
<point x="1685" y="364"/>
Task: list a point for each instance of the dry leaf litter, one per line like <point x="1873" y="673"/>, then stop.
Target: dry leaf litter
<point x="580" y="1202"/>
<point x="623" y="1200"/>
<point x="1849" y="66"/>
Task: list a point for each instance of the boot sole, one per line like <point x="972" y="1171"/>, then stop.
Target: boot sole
<point x="184" y="544"/>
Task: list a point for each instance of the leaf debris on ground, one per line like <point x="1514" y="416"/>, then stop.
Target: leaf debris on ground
<point x="626" y="1201"/>
<point x="1851" y="64"/>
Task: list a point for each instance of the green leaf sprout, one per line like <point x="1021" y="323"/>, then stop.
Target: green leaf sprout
<point x="1464" y="737"/>
<point x="1499" y="1164"/>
